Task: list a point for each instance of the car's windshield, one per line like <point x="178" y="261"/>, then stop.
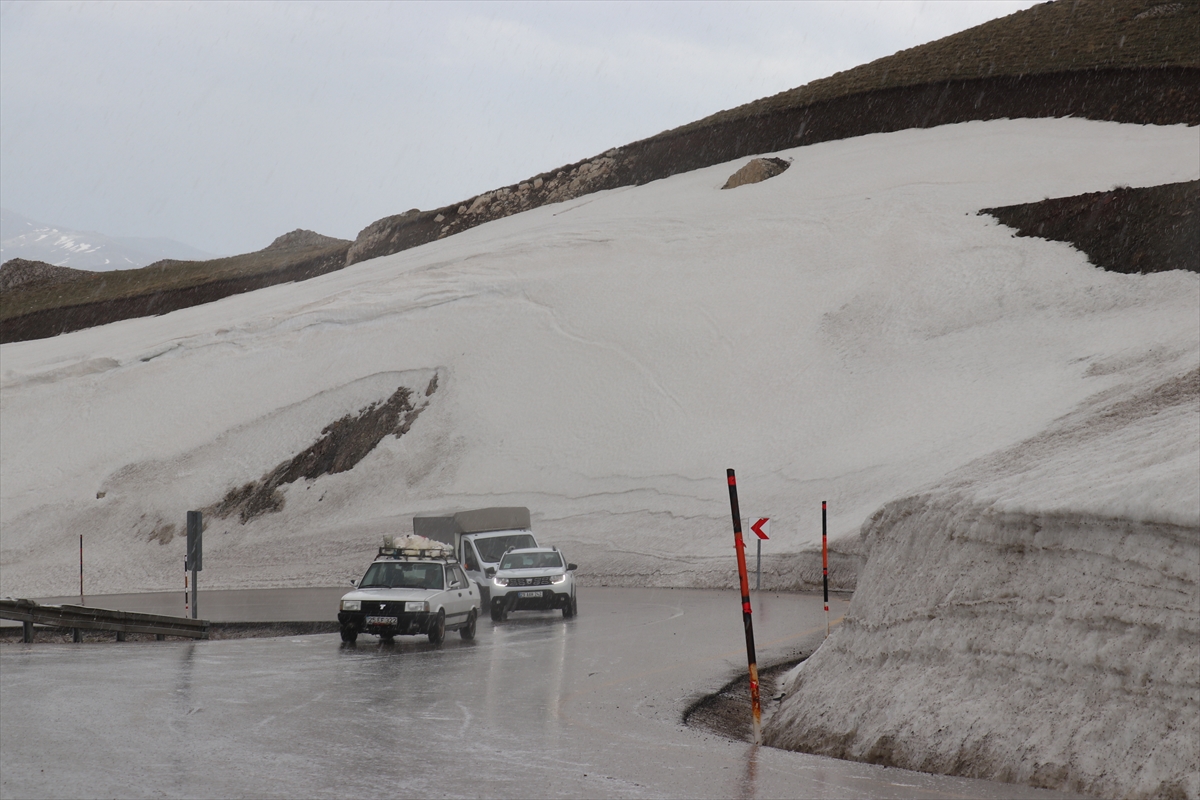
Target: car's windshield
<point x="393" y="575"/>
<point x="492" y="548"/>
<point x="531" y="561"/>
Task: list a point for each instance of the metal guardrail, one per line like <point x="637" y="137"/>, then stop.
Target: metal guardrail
<point x="81" y="618"/>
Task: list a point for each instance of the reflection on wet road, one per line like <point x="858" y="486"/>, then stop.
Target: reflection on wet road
<point x="538" y="706"/>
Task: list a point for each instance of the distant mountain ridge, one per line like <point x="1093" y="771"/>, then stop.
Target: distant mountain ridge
<point x="45" y="300"/>
<point x="29" y="239"/>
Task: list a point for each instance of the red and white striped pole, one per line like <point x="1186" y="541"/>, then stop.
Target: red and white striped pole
<point x="740" y="547"/>
<point x="825" y="564"/>
<point x="186" y="607"/>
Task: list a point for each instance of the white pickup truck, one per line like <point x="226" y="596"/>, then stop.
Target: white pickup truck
<point x="480" y="537"/>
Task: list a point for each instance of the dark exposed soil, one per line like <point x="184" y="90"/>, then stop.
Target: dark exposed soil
<point x="342" y="445"/>
<point x="1125" y="230"/>
<point x="726" y="712"/>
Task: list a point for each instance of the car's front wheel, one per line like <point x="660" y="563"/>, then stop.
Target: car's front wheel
<point x="467" y="631"/>
<point x="497" y="611"/>
<point x="571" y="608"/>
<point x="437" y="631"/>
<point x="349" y="634"/>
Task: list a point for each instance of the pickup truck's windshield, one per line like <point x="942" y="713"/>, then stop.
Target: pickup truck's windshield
<point x="492" y="548"/>
<point x="531" y="561"/>
<point x="400" y="575"/>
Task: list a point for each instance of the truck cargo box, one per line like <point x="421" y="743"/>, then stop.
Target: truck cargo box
<point x="447" y="527"/>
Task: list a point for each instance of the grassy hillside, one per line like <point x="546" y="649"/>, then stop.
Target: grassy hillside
<point x="95" y="298"/>
<point x="1053" y="37"/>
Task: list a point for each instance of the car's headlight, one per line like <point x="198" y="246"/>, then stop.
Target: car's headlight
<point x="351" y="605"/>
<point x="559" y="578"/>
<point x="415" y="605"/>
<point x="500" y="581"/>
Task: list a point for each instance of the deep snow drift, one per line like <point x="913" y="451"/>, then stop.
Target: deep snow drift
<point x="1018" y="623"/>
<point x="848" y="331"/>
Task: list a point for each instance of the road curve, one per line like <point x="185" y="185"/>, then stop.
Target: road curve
<point x="537" y="706"/>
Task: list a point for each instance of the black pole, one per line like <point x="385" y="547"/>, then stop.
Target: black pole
<point x="195" y="531"/>
<point x="825" y="563"/>
<point x="740" y="546"/>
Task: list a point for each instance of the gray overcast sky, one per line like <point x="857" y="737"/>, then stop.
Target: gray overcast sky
<point x="224" y="125"/>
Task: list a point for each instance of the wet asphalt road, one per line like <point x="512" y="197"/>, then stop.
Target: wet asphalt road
<point x="535" y="707"/>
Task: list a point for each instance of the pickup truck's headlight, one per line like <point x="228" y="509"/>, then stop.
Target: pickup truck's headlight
<point x="500" y="581"/>
<point x="558" y="578"/>
<point x="415" y="605"/>
<point x="351" y="605"/>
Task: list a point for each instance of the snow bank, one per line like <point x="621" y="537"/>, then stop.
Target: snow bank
<point x="1034" y="618"/>
<point x="850" y="330"/>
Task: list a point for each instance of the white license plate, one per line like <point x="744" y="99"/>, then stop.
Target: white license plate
<point x="529" y="594"/>
<point x="381" y="620"/>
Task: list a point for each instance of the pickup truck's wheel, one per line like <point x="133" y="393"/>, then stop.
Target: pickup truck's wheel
<point x="468" y="631"/>
<point x="571" y="608"/>
<point x="437" y="631"/>
<point x="349" y="634"/>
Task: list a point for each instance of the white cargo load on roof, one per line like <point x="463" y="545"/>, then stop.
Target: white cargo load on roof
<point x="412" y="543"/>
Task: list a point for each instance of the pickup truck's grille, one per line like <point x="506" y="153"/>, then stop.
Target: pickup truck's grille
<point x="542" y="581"/>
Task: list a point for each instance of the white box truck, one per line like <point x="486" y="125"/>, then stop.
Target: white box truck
<point x="480" y="537"/>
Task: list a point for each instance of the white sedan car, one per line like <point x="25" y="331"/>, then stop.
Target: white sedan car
<point x="405" y="595"/>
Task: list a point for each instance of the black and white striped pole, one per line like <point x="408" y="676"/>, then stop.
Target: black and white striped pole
<point x="740" y="546"/>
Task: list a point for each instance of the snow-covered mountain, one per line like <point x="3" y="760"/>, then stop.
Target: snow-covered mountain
<point x="22" y="237"/>
<point x="849" y="331"/>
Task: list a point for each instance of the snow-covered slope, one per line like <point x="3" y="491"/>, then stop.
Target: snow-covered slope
<point x="848" y="331"/>
<point x="21" y="237"/>
<point x="1031" y="618"/>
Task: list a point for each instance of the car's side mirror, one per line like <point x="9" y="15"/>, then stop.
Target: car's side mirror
<point x="572" y="566"/>
<point x="490" y="572"/>
<point x="353" y="582"/>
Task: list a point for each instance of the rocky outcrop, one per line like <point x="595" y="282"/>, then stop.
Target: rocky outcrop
<point x="343" y="443"/>
<point x="301" y="239"/>
<point x="756" y="171"/>
<point x="414" y="227"/>
<point x="22" y="273"/>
